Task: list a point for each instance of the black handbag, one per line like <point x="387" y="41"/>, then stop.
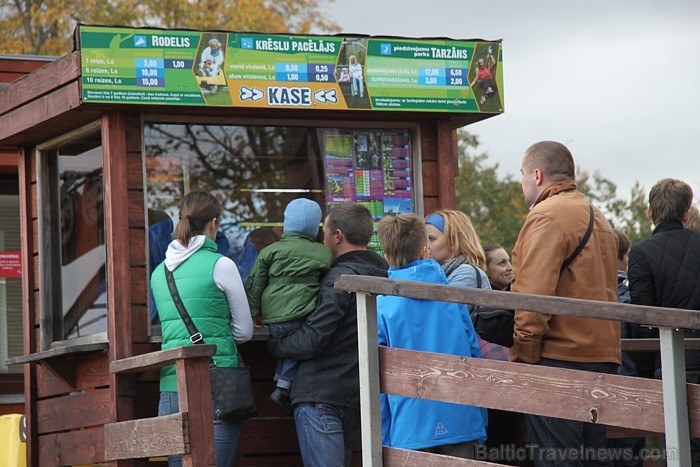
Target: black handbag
<point x="493" y="325"/>
<point x="496" y="325"/>
<point x="231" y="388"/>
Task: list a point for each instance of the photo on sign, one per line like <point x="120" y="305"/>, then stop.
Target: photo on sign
<point x="367" y="150"/>
<point x="350" y="72"/>
<point x="209" y="70"/>
<point x="482" y="77"/>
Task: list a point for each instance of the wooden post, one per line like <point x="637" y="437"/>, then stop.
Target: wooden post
<point x="117" y="267"/>
<point x="28" y="210"/>
<point x="675" y="397"/>
<point x="194" y="397"/>
<point x="368" y="354"/>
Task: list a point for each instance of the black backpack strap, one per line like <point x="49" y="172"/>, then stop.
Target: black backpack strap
<point x="195" y="335"/>
<point x="580" y="246"/>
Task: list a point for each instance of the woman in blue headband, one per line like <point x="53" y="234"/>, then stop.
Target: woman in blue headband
<point x="453" y="242"/>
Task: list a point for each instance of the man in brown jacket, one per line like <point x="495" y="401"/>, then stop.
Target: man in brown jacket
<point x="555" y="227"/>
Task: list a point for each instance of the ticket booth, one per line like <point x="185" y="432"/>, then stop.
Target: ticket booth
<point x="109" y="139"/>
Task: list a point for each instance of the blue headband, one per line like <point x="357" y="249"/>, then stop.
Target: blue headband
<point x="437" y="221"/>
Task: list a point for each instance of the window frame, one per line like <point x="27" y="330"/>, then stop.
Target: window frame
<point x="50" y="303"/>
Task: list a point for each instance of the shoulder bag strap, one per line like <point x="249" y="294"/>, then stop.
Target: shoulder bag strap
<point x="580" y="246"/>
<point x="195" y="335"/>
<point x="478" y="276"/>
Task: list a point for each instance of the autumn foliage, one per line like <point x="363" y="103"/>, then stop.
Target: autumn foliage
<point x="46" y="28"/>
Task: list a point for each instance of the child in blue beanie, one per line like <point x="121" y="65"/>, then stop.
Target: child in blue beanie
<point x="284" y="282"/>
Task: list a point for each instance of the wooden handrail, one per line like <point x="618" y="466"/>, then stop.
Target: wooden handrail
<point x="613" y="400"/>
<point x="189" y="432"/>
<point x="640" y="314"/>
<point x="161" y="358"/>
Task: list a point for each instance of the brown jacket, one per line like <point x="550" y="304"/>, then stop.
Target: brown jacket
<point x="552" y="231"/>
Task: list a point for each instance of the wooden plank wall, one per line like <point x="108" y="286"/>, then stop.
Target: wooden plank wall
<point x="78" y="392"/>
<point x="137" y="228"/>
<point x="269" y="439"/>
<point x="48" y="385"/>
<point x="428" y="149"/>
<point x="439" y="165"/>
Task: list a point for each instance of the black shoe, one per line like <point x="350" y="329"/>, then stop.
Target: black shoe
<point x="281" y="398"/>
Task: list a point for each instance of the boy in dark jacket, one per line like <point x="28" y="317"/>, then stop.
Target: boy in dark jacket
<point x="284" y="282"/>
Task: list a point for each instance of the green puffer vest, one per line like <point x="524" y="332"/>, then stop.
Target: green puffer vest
<point x="205" y="303"/>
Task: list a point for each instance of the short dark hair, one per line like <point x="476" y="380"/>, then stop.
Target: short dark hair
<point x="402" y="238"/>
<point x="354" y="220"/>
<point x="623" y="244"/>
<point x="552" y="158"/>
<point x="669" y="200"/>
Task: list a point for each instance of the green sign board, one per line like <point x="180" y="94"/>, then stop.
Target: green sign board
<point x="171" y="67"/>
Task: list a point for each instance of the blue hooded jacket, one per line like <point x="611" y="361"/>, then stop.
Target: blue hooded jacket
<point x="429" y="326"/>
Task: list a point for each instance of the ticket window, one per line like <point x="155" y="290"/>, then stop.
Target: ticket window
<point x="256" y="170"/>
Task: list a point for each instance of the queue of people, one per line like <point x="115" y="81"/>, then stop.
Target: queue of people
<point x="565" y="248"/>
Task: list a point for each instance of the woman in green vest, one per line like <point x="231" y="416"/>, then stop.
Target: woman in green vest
<point x="213" y="294"/>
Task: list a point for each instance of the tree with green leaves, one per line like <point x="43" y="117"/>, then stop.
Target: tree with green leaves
<point x="497" y="208"/>
<point x="46" y="27"/>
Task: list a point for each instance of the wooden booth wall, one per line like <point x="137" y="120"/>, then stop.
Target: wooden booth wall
<point x="75" y="395"/>
<point x="71" y="395"/>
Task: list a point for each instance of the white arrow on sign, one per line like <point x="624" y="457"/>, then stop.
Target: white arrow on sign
<point x="253" y="94"/>
<point x="324" y="96"/>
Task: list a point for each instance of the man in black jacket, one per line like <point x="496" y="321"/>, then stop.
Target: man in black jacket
<point x="664" y="270"/>
<point x="326" y="391"/>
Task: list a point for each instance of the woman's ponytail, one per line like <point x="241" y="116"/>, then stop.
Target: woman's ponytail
<point x="196" y="210"/>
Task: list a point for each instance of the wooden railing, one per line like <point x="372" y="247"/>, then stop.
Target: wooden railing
<point x="189" y="432"/>
<point x="668" y="406"/>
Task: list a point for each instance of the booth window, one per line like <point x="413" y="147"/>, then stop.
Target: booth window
<point x="256" y="170"/>
<point x="77" y="297"/>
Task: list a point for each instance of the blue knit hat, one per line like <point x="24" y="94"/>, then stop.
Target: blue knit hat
<point x="302" y="216"/>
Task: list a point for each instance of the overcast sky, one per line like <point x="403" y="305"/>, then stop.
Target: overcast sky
<point x="618" y="82"/>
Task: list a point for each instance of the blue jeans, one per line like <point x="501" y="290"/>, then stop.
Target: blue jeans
<point x="326" y="434"/>
<point x="286" y="367"/>
<point x="554" y="436"/>
<point x="226" y="434"/>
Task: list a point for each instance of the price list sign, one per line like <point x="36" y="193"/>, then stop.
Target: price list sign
<point x="139" y="66"/>
<point x="171" y="67"/>
<point x="372" y="167"/>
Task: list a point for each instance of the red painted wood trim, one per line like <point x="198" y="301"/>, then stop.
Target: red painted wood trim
<point x="39" y="111"/>
<point x="44" y="80"/>
<point x="26" y="168"/>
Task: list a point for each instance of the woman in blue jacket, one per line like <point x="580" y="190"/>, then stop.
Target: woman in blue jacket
<point x="430" y="326"/>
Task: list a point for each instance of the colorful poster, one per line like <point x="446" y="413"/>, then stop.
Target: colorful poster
<point x="174" y="67"/>
<point x="370" y="167"/>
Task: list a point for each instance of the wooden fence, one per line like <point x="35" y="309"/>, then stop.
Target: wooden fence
<point x="667" y="406"/>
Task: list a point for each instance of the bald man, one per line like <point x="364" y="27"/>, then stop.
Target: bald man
<point x="545" y="263"/>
